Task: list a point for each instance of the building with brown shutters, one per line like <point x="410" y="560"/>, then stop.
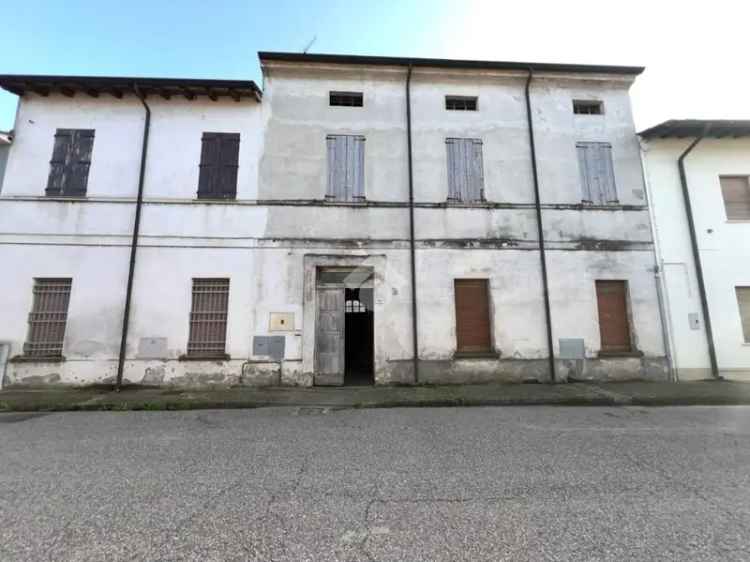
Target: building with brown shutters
<point x="362" y="220"/>
<point x="698" y="176"/>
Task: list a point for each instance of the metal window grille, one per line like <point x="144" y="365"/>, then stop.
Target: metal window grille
<point x="208" y="317"/>
<point x="461" y="103"/>
<point x="346" y="99"/>
<point x="588" y="107"/>
<point x="355" y="306"/>
<point x="49" y="314"/>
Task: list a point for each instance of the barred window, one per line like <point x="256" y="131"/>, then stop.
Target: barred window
<point x="208" y="318"/>
<point x="49" y="314"/>
<point x="346" y="99"/>
<point x="461" y="103"/>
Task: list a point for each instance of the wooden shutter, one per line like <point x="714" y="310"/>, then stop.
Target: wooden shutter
<point x="743" y="301"/>
<point x="465" y="170"/>
<point x="614" y="327"/>
<point x="218" y="166"/>
<point x="597" y="172"/>
<point x="472" y="316"/>
<point x="736" y="193"/>
<point x="48" y="317"/>
<point x="346" y="167"/>
<point x="71" y="160"/>
<point x="208" y="318"/>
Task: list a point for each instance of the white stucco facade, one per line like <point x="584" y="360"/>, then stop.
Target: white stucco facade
<point x="724" y="247"/>
<point x="270" y="241"/>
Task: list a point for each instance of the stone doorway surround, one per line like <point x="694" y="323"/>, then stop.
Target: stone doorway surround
<point x="312" y="263"/>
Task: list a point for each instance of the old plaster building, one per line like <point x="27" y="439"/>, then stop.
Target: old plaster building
<point x="487" y="218"/>
<point x="697" y="172"/>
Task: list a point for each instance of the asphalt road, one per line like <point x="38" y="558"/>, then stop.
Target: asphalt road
<point x="537" y="483"/>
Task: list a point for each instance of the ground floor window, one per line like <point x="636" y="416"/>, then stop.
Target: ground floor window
<point x="614" y="326"/>
<point x="472" y="316"/>
<point x="49" y="315"/>
<point x="208" y="318"/>
<point x="743" y="301"/>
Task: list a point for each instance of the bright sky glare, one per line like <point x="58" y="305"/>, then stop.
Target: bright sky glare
<point x="695" y="52"/>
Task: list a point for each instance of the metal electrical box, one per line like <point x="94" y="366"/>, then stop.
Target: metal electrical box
<point x="269" y="346"/>
<point x="572" y="348"/>
<point x="281" y="322"/>
<point x="694" y="320"/>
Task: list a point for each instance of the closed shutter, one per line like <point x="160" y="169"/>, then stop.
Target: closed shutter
<point x="614" y="327"/>
<point x="465" y="170"/>
<point x="218" y="166"/>
<point x="71" y="160"/>
<point x="736" y="193"/>
<point x="743" y="301"/>
<point x="472" y="316"/>
<point x="48" y="318"/>
<point x="346" y="167"/>
<point x="597" y="172"/>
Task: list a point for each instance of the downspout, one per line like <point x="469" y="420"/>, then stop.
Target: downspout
<point x="540" y="230"/>
<point x="415" y="338"/>
<point x="696" y="253"/>
<point x="134" y="241"/>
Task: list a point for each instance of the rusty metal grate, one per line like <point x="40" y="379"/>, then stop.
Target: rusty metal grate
<point x="49" y="314"/>
<point x="208" y="318"/>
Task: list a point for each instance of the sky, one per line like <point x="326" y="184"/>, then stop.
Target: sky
<point x="695" y="53"/>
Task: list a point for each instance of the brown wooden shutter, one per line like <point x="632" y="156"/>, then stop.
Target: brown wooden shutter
<point x="71" y="160"/>
<point x="614" y="327"/>
<point x="472" y="316"/>
<point x="743" y="301"/>
<point x="736" y="193"/>
<point x="218" y="166"/>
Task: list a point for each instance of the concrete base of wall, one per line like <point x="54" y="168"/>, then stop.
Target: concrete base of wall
<point x="197" y="374"/>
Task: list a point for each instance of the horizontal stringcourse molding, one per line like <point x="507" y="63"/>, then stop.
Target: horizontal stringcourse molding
<point x="324" y="203"/>
<point x="150" y="241"/>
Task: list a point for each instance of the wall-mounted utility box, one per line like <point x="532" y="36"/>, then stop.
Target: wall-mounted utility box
<point x="694" y="320"/>
<point x="281" y="322"/>
<point x="572" y="348"/>
<point x="269" y="346"/>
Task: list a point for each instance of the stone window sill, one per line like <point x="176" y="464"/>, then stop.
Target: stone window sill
<point x="615" y="354"/>
<point x="213" y="357"/>
<point x="476" y="355"/>
<point x="37" y="359"/>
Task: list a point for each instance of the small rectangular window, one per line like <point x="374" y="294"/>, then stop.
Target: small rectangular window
<point x="743" y="302"/>
<point x="465" y="170"/>
<point x="346" y="167"/>
<point x="461" y="103"/>
<point x="49" y="315"/>
<point x="71" y="160"/>
<point x="345" y="99"/>
<point x="597" y="172"/>
<point x="614" y="327"/>
<point x="736" y="193"/>
<point x="588" y="107"/>
<point x="472" y="316"/>
<point x="220" y="153"/>
<point x="208" y="318"/>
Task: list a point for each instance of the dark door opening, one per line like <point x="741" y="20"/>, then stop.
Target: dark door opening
<point x="359" y="337"/>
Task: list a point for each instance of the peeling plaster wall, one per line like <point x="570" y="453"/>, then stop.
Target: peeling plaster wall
<point x="266" y="240"/>
<point x="724" y="246"/>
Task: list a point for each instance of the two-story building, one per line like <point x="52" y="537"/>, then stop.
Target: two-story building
<point x="364" y="219"/>
<point x="698" y="178"/>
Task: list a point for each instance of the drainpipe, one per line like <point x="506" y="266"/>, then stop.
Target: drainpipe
<point x="540" y="230"/>
<point x="696" y="253"/>
<point x="134" y="242"/>
<point x="415" y="339"/>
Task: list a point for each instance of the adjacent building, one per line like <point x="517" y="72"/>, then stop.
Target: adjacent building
<point x="489" y="216"/>
<point x="698" y="176"/>
<point x="5" y="140"/>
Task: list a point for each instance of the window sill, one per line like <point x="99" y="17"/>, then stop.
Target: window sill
<point x="615" y="354"/>
<point x="354" y="203"/>
<point x="37" y="359"/>
<point x="476" y="355"/>
<point x="212" y="357"/>
<point x="63" y="197"/>
<point x="738" y="221"/>
<point x="467" y="204"/>
<point x="215" y="199"/>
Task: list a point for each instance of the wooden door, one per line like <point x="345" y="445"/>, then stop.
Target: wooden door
<point x="472" y="316"/>
<point x="614" y="327"/>
<point x="329" y="337"/>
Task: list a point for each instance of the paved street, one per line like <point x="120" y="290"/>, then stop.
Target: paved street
<point x="514" y="483"/>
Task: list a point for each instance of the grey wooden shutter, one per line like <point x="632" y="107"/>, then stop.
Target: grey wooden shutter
<point x="71" y="160"/>
<point x="218" y="166"/>
<point x="736" y="194"/>
<point x="465" y="170"/>
<point x="597" y="172"/>
<point x="346" y="167"/>
<point x="743" y="301"/>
